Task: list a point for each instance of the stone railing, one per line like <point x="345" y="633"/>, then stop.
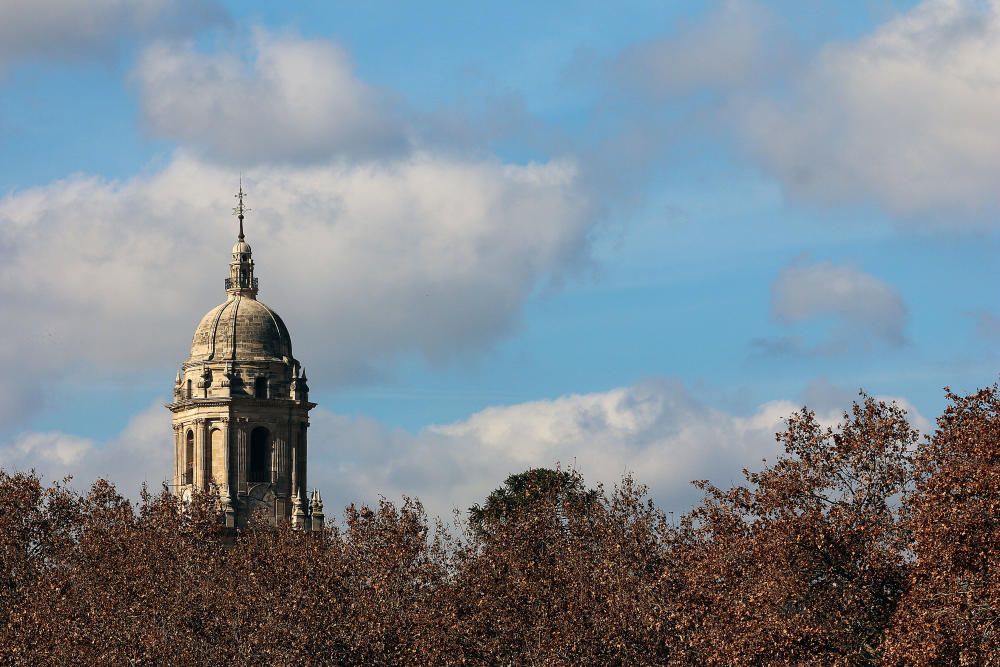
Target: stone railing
<point x="229" y="284"/>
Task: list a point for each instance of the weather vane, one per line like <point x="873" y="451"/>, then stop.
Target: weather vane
<point x="240" y="210"/>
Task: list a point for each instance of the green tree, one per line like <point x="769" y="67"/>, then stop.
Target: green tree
<point x="526" y="490"/>
<point x="559" y="574"/>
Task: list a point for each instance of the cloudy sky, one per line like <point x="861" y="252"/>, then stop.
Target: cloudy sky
<point x="627" y="237"/>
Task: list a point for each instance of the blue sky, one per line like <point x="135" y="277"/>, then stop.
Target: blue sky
<point x="630" y="237"/>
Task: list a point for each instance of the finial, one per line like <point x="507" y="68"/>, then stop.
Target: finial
<point x="240" y="209"/>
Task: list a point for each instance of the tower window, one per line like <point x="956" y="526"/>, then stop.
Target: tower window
<point x="189" y="392"/>
<point x="189" y="458"/>
<point x="260" y="455"/>
<point x="260" y="387"/>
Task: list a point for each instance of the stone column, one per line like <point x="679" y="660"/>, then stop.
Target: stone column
<point x="303" y="457"/>
<point x="226" y="481"/>
<point x="274" y="453"/>
<point x="178" y="455"/>
<point x="206" y="454"/>
<point x="242" y="445"/>
<point x="184" y="457"/>
<point x="279" y="474"/>
<point x="283" y="473"/>
<point x="199" y="452"/>
<point x="225" y="497"/>
<point x="295" y="467"/>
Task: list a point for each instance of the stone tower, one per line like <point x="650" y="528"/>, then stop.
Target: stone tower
<point x="241" y="407"/>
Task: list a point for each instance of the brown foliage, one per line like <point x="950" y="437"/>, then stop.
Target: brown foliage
<point x="804" y="565"/>
<point x="951" y="612"/>
<point x="571" y="581"/>
<point x="856" y="547"/>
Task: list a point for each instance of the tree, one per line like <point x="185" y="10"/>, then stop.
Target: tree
<point x="951" y="611"/>
<point x="802" y="566"/>
<point x="558" y="574"/>
<point x="38" y="527"/>
<point x="855" y="547"/>
<point x="525" y="491"/>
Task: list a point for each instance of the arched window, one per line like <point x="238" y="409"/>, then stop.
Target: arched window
<point x="260" y="387"/>
<point x="189" y="458"/>
<point x="260" y="455"/>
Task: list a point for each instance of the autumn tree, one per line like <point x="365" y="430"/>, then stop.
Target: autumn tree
<point x="855" y="547"/>
<point x="951" y="612"/>
<point x="559" y="574"/>
<point x="124" y="590"/>
<point x="38" y="527"/>
<point x="802" y="565"/>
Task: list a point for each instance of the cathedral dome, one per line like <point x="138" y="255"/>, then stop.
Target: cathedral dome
<point x="241" y="328"/>
<point x="241" y="408"/>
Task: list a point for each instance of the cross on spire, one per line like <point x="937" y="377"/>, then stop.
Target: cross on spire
<point x="240" y="209"/>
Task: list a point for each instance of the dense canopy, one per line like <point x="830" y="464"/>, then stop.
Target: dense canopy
<point x="861" y="545"/>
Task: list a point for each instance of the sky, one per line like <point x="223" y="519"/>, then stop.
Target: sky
<point x="627" y="238"/>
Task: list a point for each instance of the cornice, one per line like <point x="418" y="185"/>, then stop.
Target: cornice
<point x="241" y="401"/>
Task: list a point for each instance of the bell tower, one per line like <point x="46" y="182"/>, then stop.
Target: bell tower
<point x="241" y="407"/>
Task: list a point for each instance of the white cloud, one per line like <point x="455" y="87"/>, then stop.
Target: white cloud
<point x="734" y="45"/>
<point x="67" y="29"/>
<point x="60" y="450"/>
<point x="368" y="260"/>
<point x="654" y="430"/>
<point x="863" y="308"/>
<point x="905" y="117"/>
<point x="297" y="101"/>
<point x="423" y="255"/>
<point x="142" y="452"/>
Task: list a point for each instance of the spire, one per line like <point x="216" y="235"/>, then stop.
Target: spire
<point x="241" y="281"/>
<point x="316" y="511"/>
<point x="299" y="511"/>
<point x="300" y="387"/>
<point x="240" y="209"/>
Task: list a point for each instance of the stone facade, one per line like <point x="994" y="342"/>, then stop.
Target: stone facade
<point x="241" y="408"/>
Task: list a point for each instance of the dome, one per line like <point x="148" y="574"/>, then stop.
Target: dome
<point x="241" y="328"/>
<point x="241" y="247"/>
